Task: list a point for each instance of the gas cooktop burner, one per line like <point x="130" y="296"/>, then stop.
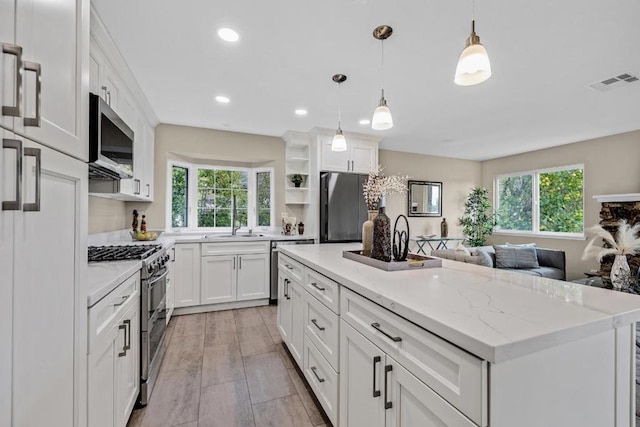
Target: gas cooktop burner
<point x="120" y="253"/>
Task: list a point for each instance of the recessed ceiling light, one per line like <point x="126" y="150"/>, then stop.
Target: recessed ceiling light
<point x="228" y="35"/>
<point x="301" y="112"/>
<point x="222" y="99"/>
<point x="364" y="121"/>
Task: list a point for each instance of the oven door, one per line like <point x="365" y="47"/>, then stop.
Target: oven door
<point x="154" y="346"/>
<point x="154" y="291"/>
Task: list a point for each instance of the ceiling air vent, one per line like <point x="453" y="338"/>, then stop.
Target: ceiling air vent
<point x="615" y="82"/>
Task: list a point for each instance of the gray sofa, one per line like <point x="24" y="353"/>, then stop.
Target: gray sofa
<point x="552" y="262"/>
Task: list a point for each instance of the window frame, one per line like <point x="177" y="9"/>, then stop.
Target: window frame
<point x="192" y="196"/>
<point x="535" y="198"/>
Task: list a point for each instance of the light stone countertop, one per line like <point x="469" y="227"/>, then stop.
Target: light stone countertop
<point x="104" y="277"/>
<point x="494" y="314"/>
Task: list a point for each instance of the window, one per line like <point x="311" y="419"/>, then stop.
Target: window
<point x="209" y="203"/>
<point x="549" y="201"/>
<point x="179" y="191"/>
<point x="263" y="196"/>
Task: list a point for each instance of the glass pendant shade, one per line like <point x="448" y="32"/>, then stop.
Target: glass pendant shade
<point x="382" y="119"/>
<point x="473" y="66"/>
<point x="339" y="142"/>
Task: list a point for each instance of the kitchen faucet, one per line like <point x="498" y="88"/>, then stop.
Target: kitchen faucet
<point x="234" y="215"/>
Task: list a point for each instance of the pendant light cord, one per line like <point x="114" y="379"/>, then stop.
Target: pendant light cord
<point x="382" y="69"/>
<point x="339" y="84"/>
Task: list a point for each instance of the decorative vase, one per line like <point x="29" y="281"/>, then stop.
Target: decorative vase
<point x="444" y="228"/>
<point x="300" y="228"/>
<point x="367" y="233"/>
<point x="381" y="237"/>
<point x="620" y="273"/>
<point x="297" y="184"/>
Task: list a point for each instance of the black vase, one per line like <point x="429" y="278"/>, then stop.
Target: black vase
<point x="381" y="237"/>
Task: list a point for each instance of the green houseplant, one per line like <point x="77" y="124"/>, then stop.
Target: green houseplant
<point x="478" y="219"/>
<point x="296" y="179"/>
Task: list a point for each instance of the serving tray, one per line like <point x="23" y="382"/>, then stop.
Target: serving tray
<point x="413" y="261"/>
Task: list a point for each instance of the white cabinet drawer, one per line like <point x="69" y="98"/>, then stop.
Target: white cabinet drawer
<point x="321" y="327"/>
<point x="457" y="376"/>
<point x="109" y="310"/>
<point x="236" y="248"/>
<point x="323" y="288"/>
<point x="292" y="267"/>
<point x="322" y="379"/>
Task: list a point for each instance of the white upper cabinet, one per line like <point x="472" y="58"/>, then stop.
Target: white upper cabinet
<point x="111" y="79"/>
<point x="54" y="39"/>
<point x="360" y="157"/>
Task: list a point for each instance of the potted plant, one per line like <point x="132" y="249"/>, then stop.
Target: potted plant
<point x="478" y="220"/>
<point x="296" y="179"/>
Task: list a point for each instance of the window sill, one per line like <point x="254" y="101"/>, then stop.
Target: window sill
<point x="541" y="235"/>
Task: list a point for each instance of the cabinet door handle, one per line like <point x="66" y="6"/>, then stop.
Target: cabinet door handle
<point x="124" y="347"/>
<point x="148" y="190"/>
<point x="314" y="370"/>
<point x="127" y="346"/>
<point x="234" y="263"/>
<point x="315" y="285"/>
<point x="35" y="206"/>
<point x="240" y="263"/>
<point x="315" y="322"/>
<point x="352" y="166"/>
<point x="137" y="189"/>
<point x="104" y="91"/>
<point x="286" y="293"/>
<point x="377" y="327"/>
<point x="347" y="165"/>
<point x="14" y="205"/>
<point x="16" y="109"/>
<point x="387" y="402"/>
<point x="36" y="68"/>
<point x="376" y="360"/>
<point x="122" y="301"/>
<point x="109" y="98"/>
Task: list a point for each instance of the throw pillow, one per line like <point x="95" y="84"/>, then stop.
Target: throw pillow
<point x="463" y="249"/>
<point x="516" y="256"/>
<point x="484" y="258"/>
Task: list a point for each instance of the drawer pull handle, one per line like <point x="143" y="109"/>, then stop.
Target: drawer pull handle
<point x="124" y="347"/>
<point x="15" y="204"/>
<point x="288" y="266"/>
<point x="37" y="69"/>
<point x="377" y="327"/>
<point x="387" y="403"/>
<point x="314" y="370"/>
<point x="127" y="323"/>
<point x="315" y="322"/>
<point x="315" y="285"/>
<point x="122" y="300"/>
<point x="376" y="360"/>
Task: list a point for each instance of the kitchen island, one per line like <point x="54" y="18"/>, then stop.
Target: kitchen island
<point x="488" y="347"/>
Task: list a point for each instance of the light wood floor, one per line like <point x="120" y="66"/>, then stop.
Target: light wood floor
<point x="229" y="368"/>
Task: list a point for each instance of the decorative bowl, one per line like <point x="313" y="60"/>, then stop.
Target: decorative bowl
<point x="148" y="236"/>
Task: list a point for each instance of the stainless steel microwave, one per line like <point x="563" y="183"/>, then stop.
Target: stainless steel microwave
<point x="110" y="142"/>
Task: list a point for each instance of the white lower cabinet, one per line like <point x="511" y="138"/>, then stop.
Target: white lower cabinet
<point x="376" y="390"/>
<point x="218" y="279"/>
<point x="114" y="355"/>
<point x="187" y="274"/>
<point x="290" y="314"/>
<point x="253" y="277"/>
<point x="43" y="304"/>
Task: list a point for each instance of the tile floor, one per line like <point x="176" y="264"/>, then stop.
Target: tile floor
<point x="229" y="368"/>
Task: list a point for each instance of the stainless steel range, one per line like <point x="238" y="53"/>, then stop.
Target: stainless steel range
<point x="153" y="304"/>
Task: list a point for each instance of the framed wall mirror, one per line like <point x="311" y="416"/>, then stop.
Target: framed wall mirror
<point x="425" y="198"/>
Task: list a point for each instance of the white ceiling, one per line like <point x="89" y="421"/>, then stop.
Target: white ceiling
<point x="543" y="55"/>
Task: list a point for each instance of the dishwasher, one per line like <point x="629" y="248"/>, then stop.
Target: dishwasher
<point x="273" y="294"/>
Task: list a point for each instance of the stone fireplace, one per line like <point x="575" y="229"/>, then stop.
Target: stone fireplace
<point x="614" y="208"/>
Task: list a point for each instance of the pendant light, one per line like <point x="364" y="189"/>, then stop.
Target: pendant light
<point x="473" y="66"/>
<point x="382" y="115"/>
<point x="339" y="142"/>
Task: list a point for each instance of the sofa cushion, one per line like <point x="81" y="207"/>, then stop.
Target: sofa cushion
<point x="516" y="256"/>
<point x="484" y="257"/>
<point x="463" y="249"/>
<point x="457" y="256"/>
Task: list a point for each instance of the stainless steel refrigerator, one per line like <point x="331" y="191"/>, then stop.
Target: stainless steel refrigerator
<point x="342" y="207"/>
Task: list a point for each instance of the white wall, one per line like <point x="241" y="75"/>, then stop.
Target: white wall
<point x="611" y="166"/>
<point x="457" y="177"/>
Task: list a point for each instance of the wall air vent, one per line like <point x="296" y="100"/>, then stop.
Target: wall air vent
<point x="615" y="82"/>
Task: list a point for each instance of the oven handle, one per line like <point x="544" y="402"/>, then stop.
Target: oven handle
<point x="156" y="279"/>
